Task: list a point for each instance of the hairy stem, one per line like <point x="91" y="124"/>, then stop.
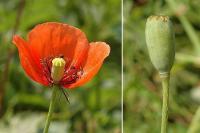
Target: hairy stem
<point x="165" y="85"/>
<point x="51" y="108"/>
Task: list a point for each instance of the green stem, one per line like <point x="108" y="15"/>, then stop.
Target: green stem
<point x="51" y="108"/>
<point x="195" y="127"/>
<point x="165" y="85"/>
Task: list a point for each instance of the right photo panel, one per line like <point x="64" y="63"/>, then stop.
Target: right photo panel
<point x="161" y="66"/>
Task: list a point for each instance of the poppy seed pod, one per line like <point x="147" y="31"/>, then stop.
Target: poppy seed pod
<point x="58" y="68"/>
<point x="160" y="42"/>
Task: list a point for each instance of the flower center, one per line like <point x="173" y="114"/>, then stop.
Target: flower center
<point x="57" y="69"/>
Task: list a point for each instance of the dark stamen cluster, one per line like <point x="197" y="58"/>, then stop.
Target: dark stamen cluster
<point x="46" y="69"/>
<point x="71" y="73"/>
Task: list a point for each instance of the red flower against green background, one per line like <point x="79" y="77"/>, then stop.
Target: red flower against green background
<point x="51" y="40"/>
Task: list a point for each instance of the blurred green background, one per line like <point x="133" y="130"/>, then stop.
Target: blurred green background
<point x="95" y="107"/>
<point x="142" y="88"/>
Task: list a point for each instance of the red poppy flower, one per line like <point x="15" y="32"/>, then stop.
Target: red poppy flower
<point x="52" y="40"/>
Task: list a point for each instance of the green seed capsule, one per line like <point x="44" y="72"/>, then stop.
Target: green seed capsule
<point x="160" y="42"/>
<point x="57" y="69"/>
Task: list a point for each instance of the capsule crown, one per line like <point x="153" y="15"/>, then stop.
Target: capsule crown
<point x="160" y="42"/>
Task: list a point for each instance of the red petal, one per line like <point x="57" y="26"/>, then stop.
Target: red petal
<point x="54" y="39"/>
<point x="29" y="60"/>
<point x="98" y="51"/>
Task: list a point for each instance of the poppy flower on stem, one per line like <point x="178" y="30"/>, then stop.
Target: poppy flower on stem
<point x="60" y="55"/>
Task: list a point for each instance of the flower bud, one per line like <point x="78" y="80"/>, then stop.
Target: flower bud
<point x="160" y="42"/>
<point x="57" y="69"/>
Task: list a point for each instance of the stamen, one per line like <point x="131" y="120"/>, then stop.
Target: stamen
<point x="46" y="65"/>
<point x="67" y="75"/>
<point x="72" y="75"/>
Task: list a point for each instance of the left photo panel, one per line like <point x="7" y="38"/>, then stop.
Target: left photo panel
<point x="60" y="66"/>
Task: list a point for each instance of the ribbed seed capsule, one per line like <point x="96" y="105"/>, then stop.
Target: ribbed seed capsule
<point x="160" y="42"/>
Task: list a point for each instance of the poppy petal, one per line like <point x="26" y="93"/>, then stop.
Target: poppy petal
<point x="53" y="39"/>
<point x="98" y="51"/>
<point x="29" y="60"/>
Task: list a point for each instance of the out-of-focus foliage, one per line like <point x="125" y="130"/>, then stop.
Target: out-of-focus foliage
<point x="95" y="107"/>
<point x="143" y="93"/>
